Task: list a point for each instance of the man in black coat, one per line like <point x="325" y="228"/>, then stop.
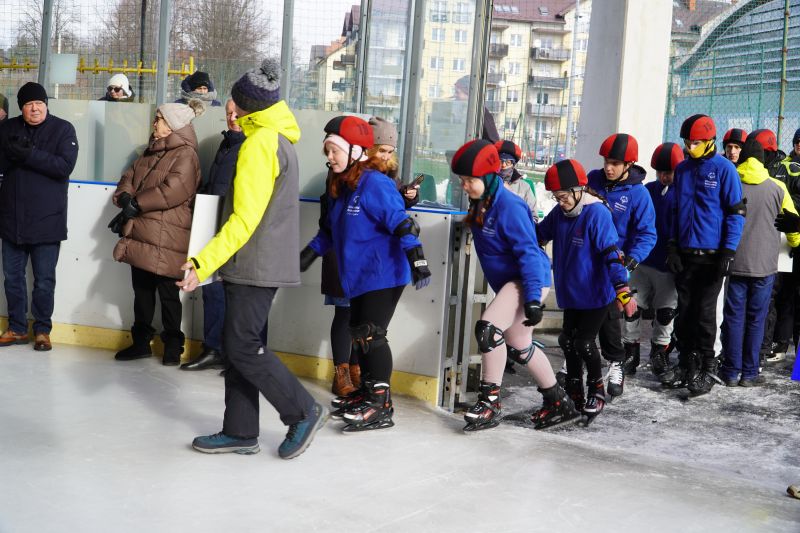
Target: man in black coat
<point x="38" y="152"/>
<point x="219" y="181"/>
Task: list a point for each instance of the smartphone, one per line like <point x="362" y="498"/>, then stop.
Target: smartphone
<point x="418" y="180"/>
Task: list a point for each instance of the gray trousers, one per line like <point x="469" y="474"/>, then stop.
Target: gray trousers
<point x="655" y="290"/>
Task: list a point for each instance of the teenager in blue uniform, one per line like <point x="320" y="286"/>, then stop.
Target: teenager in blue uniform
<point x="620" y="183"/>
<point x="519" y="273"/>
<point x="708" y="221"/>
<point x="589" y="273"/>
<point x="377" y="253"/>
<point x="654" y="283"/>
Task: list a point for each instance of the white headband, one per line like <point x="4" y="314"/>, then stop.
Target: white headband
<point x="358" y="153"/>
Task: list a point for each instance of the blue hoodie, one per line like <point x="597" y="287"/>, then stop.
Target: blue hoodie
<point x="632" y="209"/>
<point x="362" y="224"/>
<point x="664" y="203"/>
<point x="586" y="262"/>
<point x="507" y="246"/>
<point x="706" y="190"/>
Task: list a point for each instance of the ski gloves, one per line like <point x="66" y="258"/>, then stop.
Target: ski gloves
<point x="18" y="148"/>
<point x="724" y="259"/>
<point x="534" y="311"/>
<point x="307" y="257"/>
<point x="130" y="209"/>
<point x="420" y="274"/>
<point x="787" y="222"/>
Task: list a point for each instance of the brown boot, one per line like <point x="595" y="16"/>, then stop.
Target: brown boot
<point x="11" y="337"/>
<point x="355" y="376"/>
<point x="342" y="386"/>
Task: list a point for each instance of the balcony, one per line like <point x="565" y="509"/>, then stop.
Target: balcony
<point x="550" y="54"/>
<point x="495" y="78"/>
<point x="495" y="106"/>
<point x="498" y="50"/>
<point x="545" y="110"/>
<point x="341" y="85"/>
<point x="547" y="82"/>
<point x="349" y="60"/>
<point x="338" y="65"/>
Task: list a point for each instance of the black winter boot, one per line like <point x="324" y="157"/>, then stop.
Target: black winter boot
<point x="140" y="347"/>
<point x="706" y="377"/>
<point x="632" y="358"/>
<point x="659" y="359"/>
<point x="173" y="348"/>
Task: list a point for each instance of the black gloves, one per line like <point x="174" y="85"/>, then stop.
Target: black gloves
<point x="787" y="222"/>
<point x="725" y="262"/>
<point x="630" y="263"/>
<point x="130" y="208"/>
<point x="117" y="223"/>
<point x="307" y="256"/>
<point x="420" y="274"/>
<point x="674" y="262"/>
<point x="534" y="310"/>
<point x="18" y="148"/>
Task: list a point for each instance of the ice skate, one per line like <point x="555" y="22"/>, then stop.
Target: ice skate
<point x="659" y="359"/>
<point x="616" y="379"/>
<point x="341" y="404"/>
<point x="632" y="358"/>
<point x="374" y="412"/>
<point x="484" y="414"/>
<point x="595" y="402"/>
<point x="557" y="409"/>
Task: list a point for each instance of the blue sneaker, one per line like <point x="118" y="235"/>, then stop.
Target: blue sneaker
<point x="300" y="435"/>
<point x="222" y="443"/>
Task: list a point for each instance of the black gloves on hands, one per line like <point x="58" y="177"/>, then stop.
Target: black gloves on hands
<point x="787" y="222"/>
<point x="534" y="311"/>
<point x="18" y="148"/>
<point x="725" y="262"/>
<point x="307" y="256"/>
<point x="130" y="208"/>
<point x="630" y="263"/>
<point x="420" y="274"/>
<point x="674" y="262"/>
<point x="117" y="223"/>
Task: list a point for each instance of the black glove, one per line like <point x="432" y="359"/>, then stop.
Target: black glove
<point x="307" y="256"/>
<point x="725" y="262"/>
<point x="674" y="262"/>
<point x="129" y="205"/>
<point x="420" y="274"/>
<point x="117" y="223"/>
<point x="787" y="222"/>
<point x="18" y="148"/>
<point x="534" y="310"/>
<point x="630" y="263"/>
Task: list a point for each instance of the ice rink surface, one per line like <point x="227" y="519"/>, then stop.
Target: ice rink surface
<point x="88" y="444"/>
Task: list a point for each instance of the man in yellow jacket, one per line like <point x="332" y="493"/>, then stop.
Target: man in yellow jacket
<point x="257" y="251"/>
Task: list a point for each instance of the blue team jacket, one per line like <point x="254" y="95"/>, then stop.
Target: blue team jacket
<point x="632" y="210"/>
<point x="362" y="223"/>
<point x="664" y="204"/>
<point x="585" y="265"/>
<point x="705" y="191"/>
<point x="508" y="248"/>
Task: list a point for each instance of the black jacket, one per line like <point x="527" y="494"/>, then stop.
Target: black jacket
<point x="223" y="169"/>
<point x="33" y="194"/>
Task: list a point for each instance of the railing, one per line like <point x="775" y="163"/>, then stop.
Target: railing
<point x="495" y="106"/>
<point x="547" y="82"/>
<point x="548" y="110"/>
<point x="551" y="54"/>
<point x="498" y="50"/>
<point x="494" y="78"/>
<point x="439" y="16"/>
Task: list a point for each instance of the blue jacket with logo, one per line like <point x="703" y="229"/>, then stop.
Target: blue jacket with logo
<point x="706" y="190"/>
<point x="632" y="210"/>
<point x="586" y="264"/>
<point x="362" y="223"/>
<point x="664" y="203"/>
<point x="507" y="246"/>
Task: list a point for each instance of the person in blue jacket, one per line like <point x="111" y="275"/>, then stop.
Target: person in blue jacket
<point x="518" y="271"/>
<point x="620" y="183"/>
<point x="654" y="283"/>
<point x="590" y="276"/>
<point x="377" y="253"/>
<point x="707" y="225"/>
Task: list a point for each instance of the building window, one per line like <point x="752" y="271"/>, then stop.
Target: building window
<point x="514" y="68"/>
<point x="434" y="91"/>
<point x="542" y="98"/>
<point x="512" y="95"/>
<point x="437" y="63"/>
<point x="461" y="36"/>
<point x="462" y="14"/>
<point x="516" y="39"/>
<point x="511" y="124"/>
<point x="438" y="11"/>
<point x="437" y="34"/>
<point x="459" y="64"/>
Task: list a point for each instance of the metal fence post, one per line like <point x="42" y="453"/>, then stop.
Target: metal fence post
<point x="162" y="61"/>
<point x="44" y="43"/>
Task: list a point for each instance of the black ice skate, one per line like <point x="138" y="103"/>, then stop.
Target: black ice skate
<point x="659" y="359"/>
<point x="375" y="412"/>
<point x="557" y="409"/>
<point x="706" y="378"/>
<point x="632" y="358"/>
<point x="484" y="414"/>
<point x="574" y="387"/>
<point x="561" y="375"/>
<point x="342" y="404"/>
<point x="595" y="402"/>
<point x="616" y="379"/>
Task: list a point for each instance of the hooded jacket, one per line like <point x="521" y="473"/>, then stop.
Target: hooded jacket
<point x="789" y="173"/>
<point x="163" y="181"/>
<point x="209" y="98"/>
<point x="33" y="194"/>
<point x="707" y="190"/>
<point x="632" y="210"/>
<point x="223" y="168"/>
<point x="757" y="255"/>
<point x="663" y="198"/>
<point x="586" y="261"/>
<point x="507" y="246"/>
<point x="259" y="242"/>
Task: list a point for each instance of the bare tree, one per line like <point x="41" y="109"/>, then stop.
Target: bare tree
<point x="29" y="34"/>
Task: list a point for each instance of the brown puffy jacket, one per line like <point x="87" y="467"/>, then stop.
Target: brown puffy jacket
<point x="163" y="181"/>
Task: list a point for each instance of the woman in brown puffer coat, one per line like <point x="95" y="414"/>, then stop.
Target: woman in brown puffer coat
<point x="155" y="195"/>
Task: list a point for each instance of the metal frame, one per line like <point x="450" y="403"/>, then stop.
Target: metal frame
<point x="287" y="47"/>
<point x="44" y="43"/>
<point x="409" y="105"/>
<point x="162" y="60"/>
<point x="364" y="19"/>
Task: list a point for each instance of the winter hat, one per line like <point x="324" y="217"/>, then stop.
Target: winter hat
<point x="735" y="136"/>
<point x="31" y="92"/>
<point x="620" y="146"/>
<point x="698" y="128"/>
<point x="384" y="132"/>
<point x="666" y="157"/>
<point x="508" y="150"/>
<point x="120" y="80"/>
<point x="199" y="79"/>
<point x="4" y="103"/>
<point x="476" y="158"/>
<point x="767" y="139"/>
<point x="565" y="175"/>
<point x="258" y="88"/>
<point x="752" y="148"/>
<point x="351" y="134"/>
<point x="181" y="115"/>
<point x="795" y="137"/>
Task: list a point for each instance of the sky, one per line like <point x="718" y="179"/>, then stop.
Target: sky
<point x="315" y="21"/>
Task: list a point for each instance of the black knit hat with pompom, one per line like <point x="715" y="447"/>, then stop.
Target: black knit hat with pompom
<point x="258" y="88"/>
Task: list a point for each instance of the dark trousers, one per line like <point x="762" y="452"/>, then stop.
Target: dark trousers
<point x="145" y="286"/>
<point x="250" y="372"/>
<point x="582" y="326"/>
<point x="746" y="304"/>
<point x="213" y="315"/>
<point x="375" y="307"/>
<point x="44" y="258"/>
<point x="611" y="335"/>
<point x="698" y="288"/>
<point x="341" y="342"/>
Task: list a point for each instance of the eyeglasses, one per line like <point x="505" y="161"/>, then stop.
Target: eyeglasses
<point x="561" y="197"/>
<point x="112" y="89"/>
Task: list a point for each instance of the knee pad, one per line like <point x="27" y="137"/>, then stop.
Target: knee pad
<point x="367" y="336"/>
<point x="586" y="350"/>
<point x="665" y="315"/>
<point x="488" y="336"/>
<point x="566" y="343"/>
<point x="524" y="355"/>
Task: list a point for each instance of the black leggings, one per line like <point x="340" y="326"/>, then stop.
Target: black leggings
<point x="581" y="326"/>
<point x="340" y="337"/>
<point x="377" y="308"/>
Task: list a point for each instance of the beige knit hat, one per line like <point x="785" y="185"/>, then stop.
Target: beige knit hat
<point x="181" y="115"/>
<point x="383" y="131"/>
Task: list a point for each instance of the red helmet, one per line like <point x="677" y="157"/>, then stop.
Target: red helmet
<point x="620" y="146"/>
<point x="354" y="130"/>
<point x="698" y="128"/>
<point x="510" y="148"/>
<point x="666" y="157"/>
<point x="766" y="138"/>
<point x="565" y="175"/>
<point x="734" y="135"/>
<point x="476" y="158"/>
